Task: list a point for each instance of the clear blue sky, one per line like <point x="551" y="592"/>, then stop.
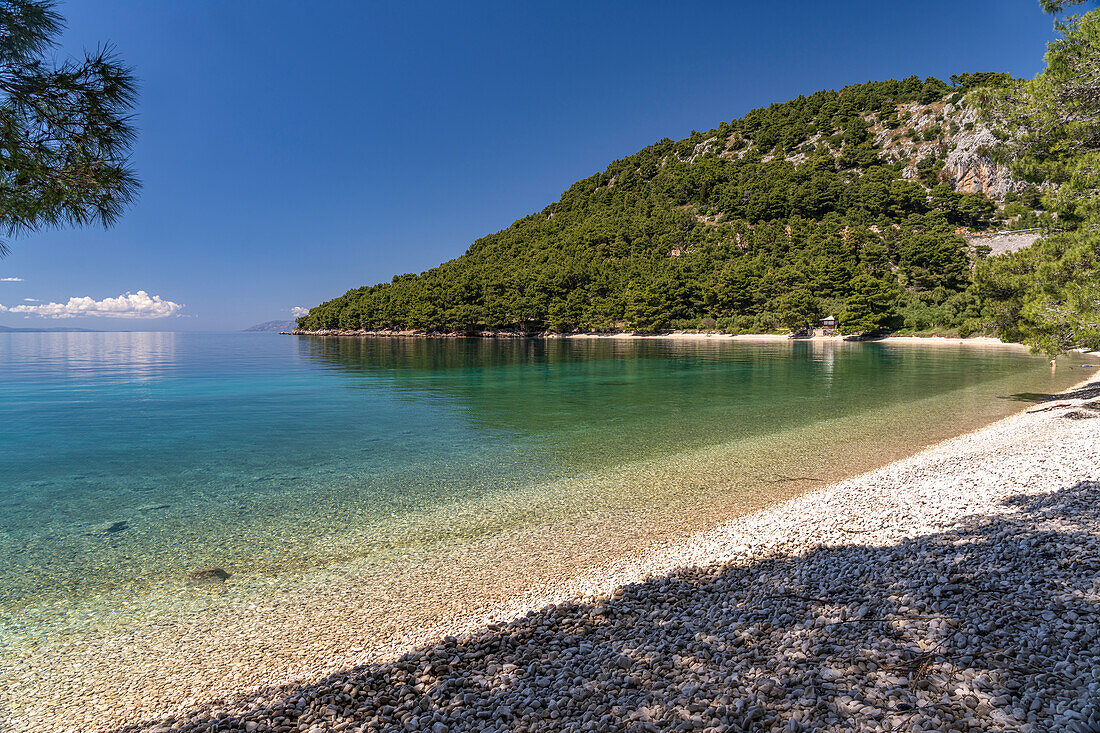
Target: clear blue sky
<point x="291" y="151"/>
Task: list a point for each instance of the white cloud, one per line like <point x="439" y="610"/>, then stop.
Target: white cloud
<point x="11" y="279"/>
<point x="30" y="300"/>
<point x="127" y="305"/>
<point x="298" y="310"/>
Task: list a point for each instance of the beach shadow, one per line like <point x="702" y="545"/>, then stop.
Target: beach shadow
<point x="889" y="627"/>
<point x="1088" y="391"/>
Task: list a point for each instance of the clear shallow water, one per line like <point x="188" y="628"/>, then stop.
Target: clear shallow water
<point x="129" y="460"/>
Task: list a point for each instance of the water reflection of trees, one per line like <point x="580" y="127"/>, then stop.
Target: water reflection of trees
<point x="548" y="384"/>
<point x="652" y="394"/>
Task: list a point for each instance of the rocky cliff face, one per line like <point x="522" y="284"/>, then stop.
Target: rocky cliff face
<point x="965" y="146"/>
<point x="970" y="166"/>
<point x="971" y="169"/>
<point x="950" y="136"/>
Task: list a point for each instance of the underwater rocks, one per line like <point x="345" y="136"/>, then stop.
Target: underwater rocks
<point x="208" y="575"/>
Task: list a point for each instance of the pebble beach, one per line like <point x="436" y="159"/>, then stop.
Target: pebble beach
<point x="957" y="589"/>
<point x="954" y="590"/>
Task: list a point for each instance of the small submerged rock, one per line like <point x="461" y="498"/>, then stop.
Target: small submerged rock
<point x="208" y="575"/>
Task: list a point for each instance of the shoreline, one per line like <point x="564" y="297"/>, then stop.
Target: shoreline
<point x="669" y="335"/>
<point x="955" y="494"/>
<point x="1027" y="476"/>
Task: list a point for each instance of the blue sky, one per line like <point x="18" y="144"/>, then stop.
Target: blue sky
<point x="291" y="151"/>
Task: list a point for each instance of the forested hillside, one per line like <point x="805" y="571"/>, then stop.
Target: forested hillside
<point x="853" y="202"/>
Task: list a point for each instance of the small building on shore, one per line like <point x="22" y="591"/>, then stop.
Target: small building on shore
<point x="830" y="326"/>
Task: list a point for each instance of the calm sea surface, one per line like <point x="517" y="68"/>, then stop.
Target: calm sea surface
<point x="129" y="460"/>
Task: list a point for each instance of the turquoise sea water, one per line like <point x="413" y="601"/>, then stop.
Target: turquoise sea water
<point x="129" y="460"/>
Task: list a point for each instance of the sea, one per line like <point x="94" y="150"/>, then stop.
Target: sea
<point x="135" y="466"/>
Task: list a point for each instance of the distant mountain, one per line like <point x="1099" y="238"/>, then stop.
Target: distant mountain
<point x="272" y="326"/>
<point x="60" y="329"/>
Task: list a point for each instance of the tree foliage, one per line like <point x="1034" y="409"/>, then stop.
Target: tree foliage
<point x="761" y="223"/>
<point x="1047" y="295"/>
<point x="1060" y="6"/>
<point x="871" y="307"/>
<point x="65" y="129"/>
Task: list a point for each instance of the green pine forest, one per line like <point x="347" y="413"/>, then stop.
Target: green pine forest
<point x="833" y="203"/>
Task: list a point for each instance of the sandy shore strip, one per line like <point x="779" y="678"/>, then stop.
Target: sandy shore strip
<point x="958" y="589"/>
<point x="983" y="341"/>
<point x="986" y="341"/>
